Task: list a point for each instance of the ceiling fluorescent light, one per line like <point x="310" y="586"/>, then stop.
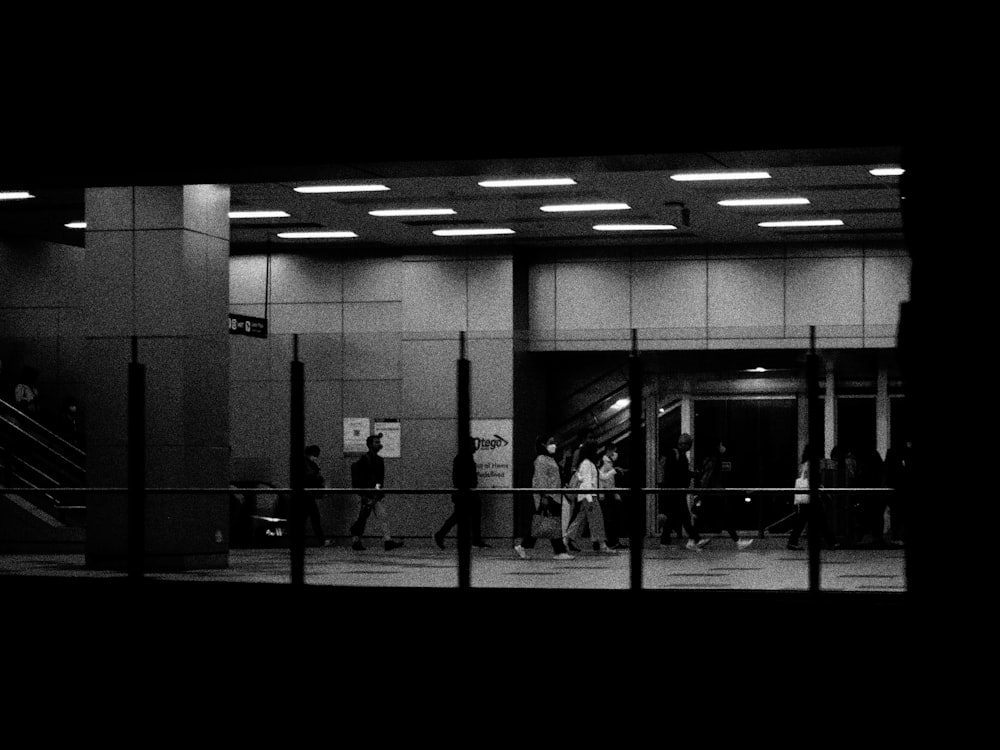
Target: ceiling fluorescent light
<point x="339" y="188"/>
<point x="587" y="207"/>
<point x="413" y="212"/>
<point x="540" y="182"/>
<point x="704" y="176"/>
<point x="633" y="227"/>
<point x="886" y="171"/>
<point x="620" y="403"/>
<point x="257" y="214"/>
<point x="15" y="195"/>
<point x="76" y="225"/>
<point x="315" y="235"/>
<point x="804" y="223"/>
<point x="470" y="232"/>
<point x="765" y="202"/>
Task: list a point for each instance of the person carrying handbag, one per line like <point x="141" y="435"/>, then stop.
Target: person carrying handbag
<point x="545" y="475"/>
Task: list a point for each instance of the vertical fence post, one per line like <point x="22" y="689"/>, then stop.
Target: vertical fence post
<point x="136" y="420"/>
<point x="296" y="467"/>
<point x="464" y="439"/>
<point x="636" y="515"/>
<point x="815" y="439"/>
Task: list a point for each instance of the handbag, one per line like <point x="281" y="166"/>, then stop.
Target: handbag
<point x="545" y="526"/>
<point x="801" y="483"/>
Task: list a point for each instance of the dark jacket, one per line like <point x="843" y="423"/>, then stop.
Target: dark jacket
<point x="463" y="472"/>
<point x="676" y="472"/>
<point x="368" y="471"/>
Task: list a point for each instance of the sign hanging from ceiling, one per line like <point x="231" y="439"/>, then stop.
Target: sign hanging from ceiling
<point x="247" y="325"/>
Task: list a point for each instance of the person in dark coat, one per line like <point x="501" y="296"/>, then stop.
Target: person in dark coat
<point x="464" y="474"/>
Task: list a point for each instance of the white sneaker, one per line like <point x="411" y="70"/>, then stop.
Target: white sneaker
<point x="742" y="544"/>
<point x="692" y="545"/>
<point x="563" y="556"/>
<point x="521" y="552"/>
<point x="704" y="541"/>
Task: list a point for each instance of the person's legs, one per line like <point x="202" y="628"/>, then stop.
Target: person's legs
<point x="313" y="510"/>
<point x="358" y="527"/>
<point x="797" y="525"/>
<point x="595" y="517"/>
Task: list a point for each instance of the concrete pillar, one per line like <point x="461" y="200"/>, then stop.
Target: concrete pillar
<point x="157" y="267"/>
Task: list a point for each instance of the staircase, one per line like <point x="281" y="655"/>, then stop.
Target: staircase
<point x="32" y="456"/>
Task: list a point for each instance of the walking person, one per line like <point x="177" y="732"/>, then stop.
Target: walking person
<point x="714" y="469"/>
<point x="588" y="509"/>
<point x="545" y="475"/>
<point x="611" y="502"/>
<point x="369" y="472"/>
<point x="313" y="478"/>
<point x="677" y="474"/>
<point x="802" y="507"/>
<point x="464" y="474"/>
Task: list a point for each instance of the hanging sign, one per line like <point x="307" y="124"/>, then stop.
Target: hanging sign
<point x="247" y="325"/>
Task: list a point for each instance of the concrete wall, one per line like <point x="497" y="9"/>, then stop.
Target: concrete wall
<point x="40" y="318"/>
<point x="737" y="299"/>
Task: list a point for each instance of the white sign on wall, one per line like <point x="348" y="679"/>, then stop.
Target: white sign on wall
<point x="390" y="437"/>
<point x="356" y="432"/>
<point x="494" y="453"/>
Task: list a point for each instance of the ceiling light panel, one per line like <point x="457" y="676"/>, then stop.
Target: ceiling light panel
<point x="340" y="188"/>
<point x="803" y="223"/>
<point x="315" y="235"/>
<point x="413" y="212"/>
<point x="634" y="227"/>
<point x="536" y="182"/>
<point x="764" y="202"/>
<point x="715" y="176"/>
<point x="471" y="232"/>
<point x="586" y="207"/>
<point x="15" y="195"/>
<point x="258" y="214"/>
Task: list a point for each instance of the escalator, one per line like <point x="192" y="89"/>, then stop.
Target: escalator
<point x="31" y="455"/>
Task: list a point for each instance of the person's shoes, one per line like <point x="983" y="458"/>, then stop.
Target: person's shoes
<point x="704" y="541"/>
<point x="391" y="545"/>
<point x="481" y="544"/>
<point x="357" y="546"/>
<point x="571" y="546"/>
<point x="327" y="542"/>
<point x="563" y="556"/>
<point x="794" y="547"/>
<point x="742" y="544"/>
<point x="693" y="545"/>
<point x="621" y="545"/>
<point x="835" y="545"/>
<point x="438" y="540"/>
<point x="606" y="550"/>
<point x="521" y="552"/>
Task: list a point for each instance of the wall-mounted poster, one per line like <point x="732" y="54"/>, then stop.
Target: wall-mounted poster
<point x="356" y="432"/>
<point x="390" y="437"/>
<point x="494" y="454"/>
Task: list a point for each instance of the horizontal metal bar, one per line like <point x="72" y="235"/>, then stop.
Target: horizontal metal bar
<point x="450" y="490"/>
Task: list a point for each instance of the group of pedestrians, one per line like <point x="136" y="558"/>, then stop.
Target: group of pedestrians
<point x="599" y="513"/>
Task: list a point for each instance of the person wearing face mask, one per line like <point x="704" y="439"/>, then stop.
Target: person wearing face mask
<point x="545" y="475"/>
<point x="369" y="472"/>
